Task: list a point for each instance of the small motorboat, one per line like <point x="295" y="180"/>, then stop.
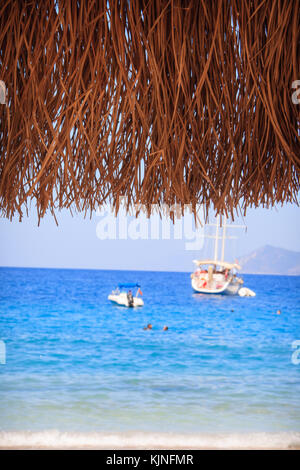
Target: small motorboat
<point x="122" y="295"/>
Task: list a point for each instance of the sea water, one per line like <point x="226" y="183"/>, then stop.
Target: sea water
<point x="79" y="370"/>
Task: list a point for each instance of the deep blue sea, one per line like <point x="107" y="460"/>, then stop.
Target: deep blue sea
<point x="76" y="363"/>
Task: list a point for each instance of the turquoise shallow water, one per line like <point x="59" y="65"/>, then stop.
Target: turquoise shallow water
<point x="77" y="363"/>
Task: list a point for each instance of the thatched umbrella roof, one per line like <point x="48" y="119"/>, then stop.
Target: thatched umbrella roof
<point x="160" y="101"/>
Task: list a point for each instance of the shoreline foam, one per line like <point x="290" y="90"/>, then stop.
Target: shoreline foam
<point x="54" y="439"/>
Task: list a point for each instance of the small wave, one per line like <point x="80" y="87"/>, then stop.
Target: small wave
<point x="53" y="439"/>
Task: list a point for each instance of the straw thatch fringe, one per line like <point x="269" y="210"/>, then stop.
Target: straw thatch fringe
<point x="161" y="101"/>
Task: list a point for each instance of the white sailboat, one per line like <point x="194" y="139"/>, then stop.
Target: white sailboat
<point x="216" y="276"/>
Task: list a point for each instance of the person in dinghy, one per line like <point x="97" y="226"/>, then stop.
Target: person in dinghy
<point x="130" y="299"/>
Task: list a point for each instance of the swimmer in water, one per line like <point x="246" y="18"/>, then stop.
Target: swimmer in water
<point x="165" y="328"/>
<point x="148" y="327"/>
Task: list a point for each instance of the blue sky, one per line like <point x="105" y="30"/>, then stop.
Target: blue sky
<point x="77" y="243"/>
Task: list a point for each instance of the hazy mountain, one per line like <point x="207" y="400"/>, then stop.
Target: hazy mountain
<point x="271" y="260"/>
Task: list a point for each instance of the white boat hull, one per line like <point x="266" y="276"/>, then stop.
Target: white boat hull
<point x="121" y="299"/>
<point x="230" y="287"/>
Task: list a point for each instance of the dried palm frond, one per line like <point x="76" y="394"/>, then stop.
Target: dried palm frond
<point x="159" y="101"/>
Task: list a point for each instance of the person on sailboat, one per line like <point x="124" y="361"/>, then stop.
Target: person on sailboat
<point x="210" y="276"/>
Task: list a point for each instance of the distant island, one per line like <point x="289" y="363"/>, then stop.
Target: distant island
<point x="271" y="260"/>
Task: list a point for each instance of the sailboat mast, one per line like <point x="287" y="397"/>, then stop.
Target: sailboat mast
<point x="223" y="240"/>
<point x="217" y="238"/>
